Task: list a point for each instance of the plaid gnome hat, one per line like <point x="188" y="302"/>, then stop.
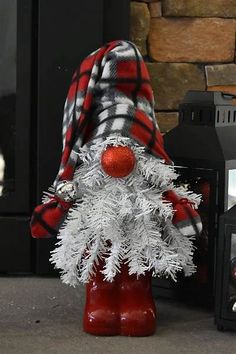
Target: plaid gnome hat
<point x="109" y="93"/>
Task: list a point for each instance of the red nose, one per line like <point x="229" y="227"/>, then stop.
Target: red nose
<point x="118" y="161"/>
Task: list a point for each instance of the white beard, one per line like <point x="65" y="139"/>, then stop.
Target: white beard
<point x="122" y="220"/>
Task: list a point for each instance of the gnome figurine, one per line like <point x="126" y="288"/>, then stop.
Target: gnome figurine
<point x="118" y="216"/>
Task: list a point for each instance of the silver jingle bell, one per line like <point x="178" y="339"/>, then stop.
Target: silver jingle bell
<point x="66" y="190"/>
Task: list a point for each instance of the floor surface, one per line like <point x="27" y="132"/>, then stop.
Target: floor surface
<point x="43" y="316"/>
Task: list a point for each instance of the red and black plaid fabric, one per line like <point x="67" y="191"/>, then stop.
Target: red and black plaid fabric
<point x="109" y="93"/>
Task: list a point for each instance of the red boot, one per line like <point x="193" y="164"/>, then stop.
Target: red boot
<point x="137" y="308"/>
<point x="101" y="313"/>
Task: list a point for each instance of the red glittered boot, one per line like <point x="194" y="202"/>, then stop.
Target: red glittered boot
<point x="137" y="307"/>
<point x="101" y="313"/>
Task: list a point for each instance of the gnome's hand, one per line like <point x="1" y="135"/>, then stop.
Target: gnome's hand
<point x="185" y="218"/>
<point x="47" y="218"/>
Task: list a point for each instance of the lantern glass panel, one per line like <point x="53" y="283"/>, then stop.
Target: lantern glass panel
<point x="203" y="182"/>
<point x="233" y="261"/>
<point x="200" y="184"/>
<point x="230" y="293"/>
<point x="231" y="188"/>
<point x="233" y="246"/>
<point x="229" y="276"/>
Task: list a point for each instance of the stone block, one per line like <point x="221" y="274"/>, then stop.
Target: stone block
<point x="170" y="82"/>
<point x="155" y="9"/>
<point x="147" y="1"/>
<point x="139" y="25"/>
<point x="200" y="8"/>
<point x="192" y="40"/>
<point x="224" y="74"/>
<point x="167" y="120"/>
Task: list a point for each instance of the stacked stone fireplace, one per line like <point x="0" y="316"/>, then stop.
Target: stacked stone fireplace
<point x="188" y="45"/>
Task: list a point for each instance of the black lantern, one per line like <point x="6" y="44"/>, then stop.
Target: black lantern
<point x="225" y="304"/>
<point x="203" y="148"/>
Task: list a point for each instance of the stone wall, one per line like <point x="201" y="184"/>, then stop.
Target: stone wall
<point x="187" y="44"/>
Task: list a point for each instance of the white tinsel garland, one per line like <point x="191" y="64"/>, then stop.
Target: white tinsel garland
<point x="122" y="220"/>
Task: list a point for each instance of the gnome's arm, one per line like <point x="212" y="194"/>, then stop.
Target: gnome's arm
<point x="47" y="217"/>
<point x="185" y="218"/>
